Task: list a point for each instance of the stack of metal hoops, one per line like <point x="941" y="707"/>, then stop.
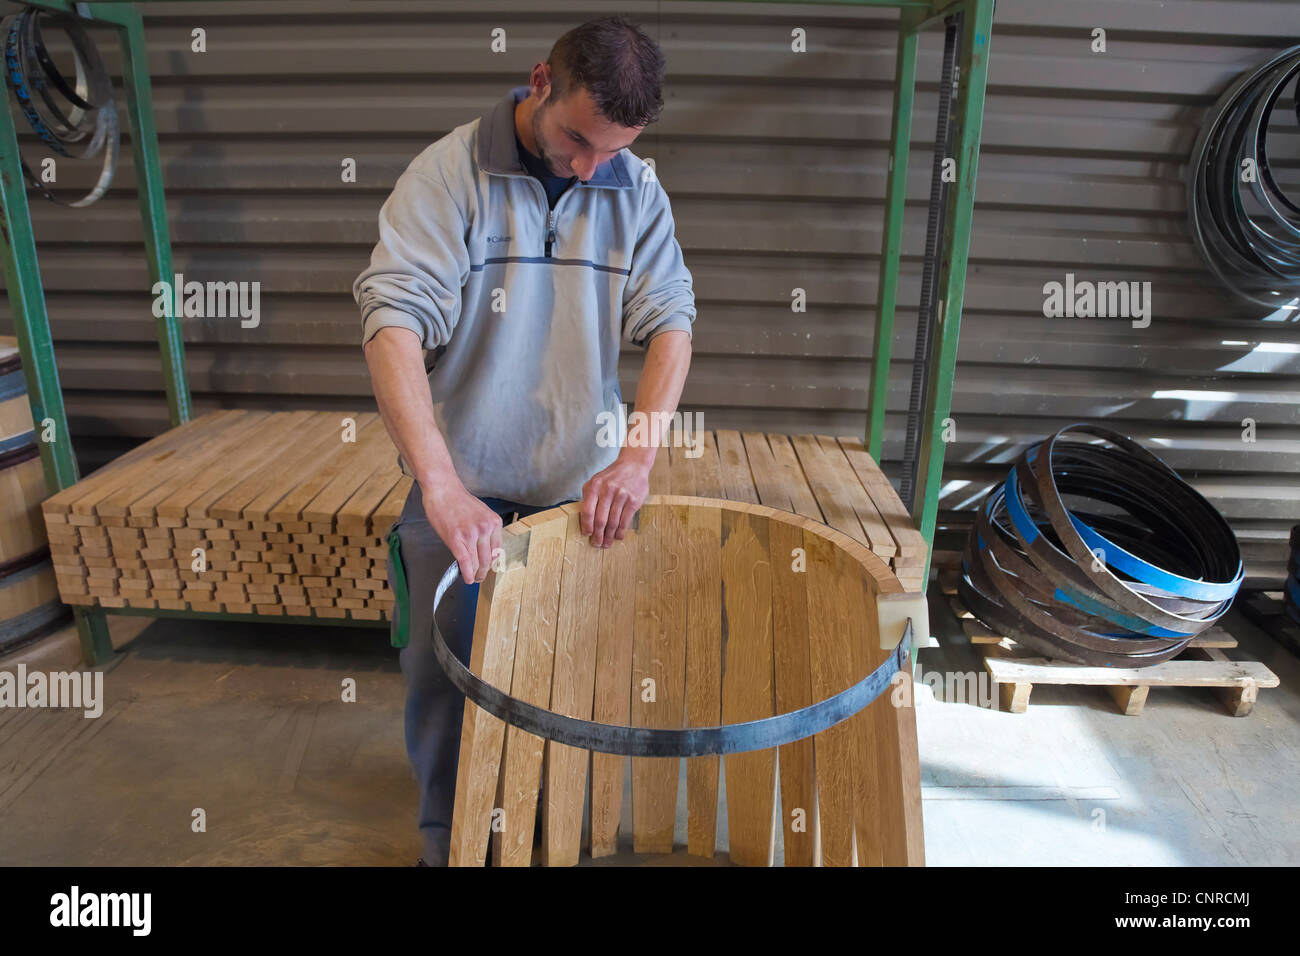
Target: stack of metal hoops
<point x="78" y="119"/>
<point x="1244" y="224"/>
<point x="1135" y="566"/>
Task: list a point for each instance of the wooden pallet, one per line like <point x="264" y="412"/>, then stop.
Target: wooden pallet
<point x="292" y="519"/>
<point x="1264" y="609"/>
<point x="1015" y="670"/>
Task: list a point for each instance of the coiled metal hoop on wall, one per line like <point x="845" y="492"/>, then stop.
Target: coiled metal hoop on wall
<point x="1126" y="575"/>
<point x="78" y="120"/>
<point x="1245" y="226"/>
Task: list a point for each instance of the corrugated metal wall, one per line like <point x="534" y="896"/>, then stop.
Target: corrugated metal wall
<point x="775" y="164"/>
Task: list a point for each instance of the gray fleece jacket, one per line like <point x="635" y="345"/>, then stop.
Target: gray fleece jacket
<point x="524" y="307"/>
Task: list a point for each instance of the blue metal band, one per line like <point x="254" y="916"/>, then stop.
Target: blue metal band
<point x="1147" y="573"/>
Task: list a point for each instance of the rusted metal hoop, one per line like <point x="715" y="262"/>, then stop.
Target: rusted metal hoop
<point x="655" y="742"/>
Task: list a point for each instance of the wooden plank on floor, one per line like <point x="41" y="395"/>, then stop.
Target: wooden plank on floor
<point x="703" y="672"/>
<point x="659" y="658"/>
<point x="1175" y="673"/>
<point x="613" y="692"/>
<point x="482" y="736"/>
<point x="748" y="691"/>
<point x="572" y="692"/>
<point x="793" y="683"/>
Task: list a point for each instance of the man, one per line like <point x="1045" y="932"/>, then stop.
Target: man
<point x="521" y="249"/>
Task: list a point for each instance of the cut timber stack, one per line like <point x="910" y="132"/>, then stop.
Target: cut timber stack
<point x="289" y="510"/>
<point x="291" y="517"/>
<point x="831" y="480"/>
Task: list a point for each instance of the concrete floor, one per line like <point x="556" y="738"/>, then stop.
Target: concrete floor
<point x="247" y="723"/>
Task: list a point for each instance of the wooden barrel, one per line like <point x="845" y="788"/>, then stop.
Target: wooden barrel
<point x="709" y="613"/>
<point x="29" y="596"/>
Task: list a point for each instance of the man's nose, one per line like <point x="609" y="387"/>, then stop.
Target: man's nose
<point x="584" y="169"/>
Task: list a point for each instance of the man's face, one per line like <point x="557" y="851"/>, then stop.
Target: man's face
<point x="573" y="137"/>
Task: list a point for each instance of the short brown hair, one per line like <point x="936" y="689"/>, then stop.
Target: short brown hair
<point x="617" y="63"/>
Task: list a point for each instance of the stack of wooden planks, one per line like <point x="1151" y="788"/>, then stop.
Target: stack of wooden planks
<point x="285" y="513"/>
<point x="831" y="480"/>
<point x="240" y="512"/>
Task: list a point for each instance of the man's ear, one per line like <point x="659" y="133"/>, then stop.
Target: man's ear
<point x="546" y="83"/>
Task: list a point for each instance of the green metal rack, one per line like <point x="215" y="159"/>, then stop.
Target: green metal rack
<point x="31" y="320"/>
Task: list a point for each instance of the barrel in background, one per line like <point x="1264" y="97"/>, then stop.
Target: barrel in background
<point x="29" y="597"/>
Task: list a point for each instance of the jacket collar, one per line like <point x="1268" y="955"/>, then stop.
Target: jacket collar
<point x="497" y="152"/>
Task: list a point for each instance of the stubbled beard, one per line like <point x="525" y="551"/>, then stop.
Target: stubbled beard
<point x="537" y="138"/>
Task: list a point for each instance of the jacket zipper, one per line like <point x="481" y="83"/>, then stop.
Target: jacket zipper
<point x="550" y="215"/>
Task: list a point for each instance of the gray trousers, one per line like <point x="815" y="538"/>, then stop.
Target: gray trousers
<point x="434" y="707"/>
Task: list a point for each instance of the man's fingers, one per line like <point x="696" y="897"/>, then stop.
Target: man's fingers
<point x="619" y="517"/>
<point x="603" y="503"/>
<point x="467" y="561"/>
<point x="496" y="543"/>
<point x="587" y="513"/>
<point x="625" y="518"/>
<point x="484" y="554"/>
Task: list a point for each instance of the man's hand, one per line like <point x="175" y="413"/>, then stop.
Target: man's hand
<point x="469" y="528"/>
<point x="612" y="497"/>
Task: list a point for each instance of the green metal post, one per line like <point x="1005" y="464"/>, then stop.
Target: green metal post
<point x="36" y="346"/>
<point x="973" y="74"/>
<point x="153" y="205"/>
<point x="31" y="325"/>
<point x="27" y="297"/>
<point x="891" y="237"/>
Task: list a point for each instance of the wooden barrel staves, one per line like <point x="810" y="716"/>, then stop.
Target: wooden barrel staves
<point x="29" y="595"/>
<point x="709" y="614"/>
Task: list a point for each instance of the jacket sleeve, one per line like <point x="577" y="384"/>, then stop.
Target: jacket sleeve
<point x="658" y="296"/>
<point x="419" y="265"/>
